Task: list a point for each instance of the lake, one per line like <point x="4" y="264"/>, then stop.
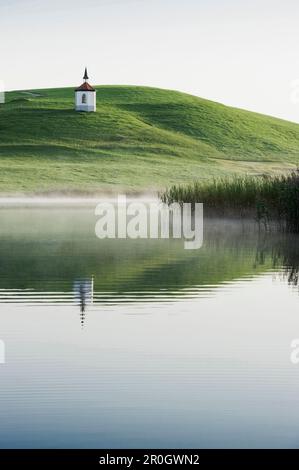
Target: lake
<point x="141" y="343"/>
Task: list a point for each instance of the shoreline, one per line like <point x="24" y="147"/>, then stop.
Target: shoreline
<point x="76" y="199"/>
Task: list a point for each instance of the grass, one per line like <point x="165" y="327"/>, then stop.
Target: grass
<point x="139" y="138"/>
<point x="271" y="198"/>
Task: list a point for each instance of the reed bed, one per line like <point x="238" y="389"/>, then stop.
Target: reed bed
<point x="268" y="198"/>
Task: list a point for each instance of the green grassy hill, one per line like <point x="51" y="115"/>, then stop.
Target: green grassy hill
<point x="139" y="138"/>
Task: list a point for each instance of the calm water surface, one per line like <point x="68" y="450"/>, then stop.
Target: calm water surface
<point x="140" y="343"/>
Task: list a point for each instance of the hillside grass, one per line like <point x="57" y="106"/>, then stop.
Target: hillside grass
<point x="139" y="139"/>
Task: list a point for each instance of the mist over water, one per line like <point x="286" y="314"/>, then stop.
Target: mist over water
<point x="140" y="343"/>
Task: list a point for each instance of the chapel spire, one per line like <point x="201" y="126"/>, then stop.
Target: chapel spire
<point x="85" y="75"/>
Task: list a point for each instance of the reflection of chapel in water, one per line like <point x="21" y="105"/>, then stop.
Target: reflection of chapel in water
<point x="83" y="294"/>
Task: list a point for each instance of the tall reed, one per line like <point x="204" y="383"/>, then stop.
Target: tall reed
<point x="271" y="198"/>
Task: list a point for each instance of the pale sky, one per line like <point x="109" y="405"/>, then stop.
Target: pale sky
<point x="239" y="52"/>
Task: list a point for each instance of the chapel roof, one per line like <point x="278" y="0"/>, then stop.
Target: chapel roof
<point x="85" y="87"/>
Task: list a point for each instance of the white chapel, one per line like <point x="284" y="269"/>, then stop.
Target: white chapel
<point x="85" y="96"/>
